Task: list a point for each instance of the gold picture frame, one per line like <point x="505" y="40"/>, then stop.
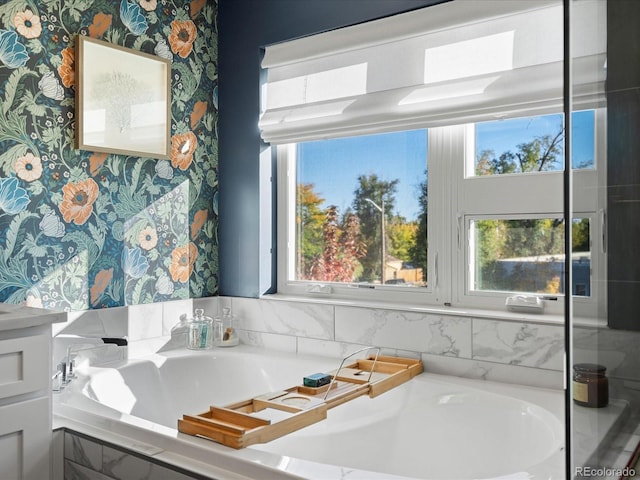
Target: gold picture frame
<point x="123" y="100"/>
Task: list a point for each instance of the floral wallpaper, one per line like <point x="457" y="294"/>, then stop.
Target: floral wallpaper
<point x="82" y="230"/>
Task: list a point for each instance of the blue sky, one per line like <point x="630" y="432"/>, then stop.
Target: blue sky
<point x="502" y="136"/>
<point x="334" y="165"/>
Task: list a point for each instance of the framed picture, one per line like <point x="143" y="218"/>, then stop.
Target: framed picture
<point x="123" y="100"/>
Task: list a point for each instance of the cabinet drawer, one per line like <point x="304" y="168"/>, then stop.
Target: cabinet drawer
<point x="24" y="365"/>
<point x="25" y="440"/>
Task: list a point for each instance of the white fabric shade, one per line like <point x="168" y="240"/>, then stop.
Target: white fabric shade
<point x="457" y="62"/>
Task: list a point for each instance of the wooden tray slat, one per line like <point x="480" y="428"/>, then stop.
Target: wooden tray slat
<point x="235" y="427"/>
<point x="216" y="424"/>
<point x="238" y="418"/>
<point x="380" y="366"/>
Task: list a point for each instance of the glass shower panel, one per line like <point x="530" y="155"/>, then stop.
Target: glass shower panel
<point x="604" y="365"/>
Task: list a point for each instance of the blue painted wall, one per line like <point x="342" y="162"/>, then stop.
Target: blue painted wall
<point x="245" y="27"/>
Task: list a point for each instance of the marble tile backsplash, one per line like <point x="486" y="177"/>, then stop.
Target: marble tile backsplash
<point x="524" y="344"/>
<point x="500" y="350"/>
<point x="404" y="330"/>
<point x="285" y="318"/>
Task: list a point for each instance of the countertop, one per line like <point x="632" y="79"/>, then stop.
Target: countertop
<point x="18" y="316"/>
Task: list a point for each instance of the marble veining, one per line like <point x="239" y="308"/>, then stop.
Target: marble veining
<point x="90" y="460"/>
<point x="83" y="452"/>
<point x="618" y="350"/>
<point x="531" y="345"/>
<point x="404" y="330"/>
<point x="450" y="336"/>
<point x="75" y="471"/>
<point x="339" y="350"/>
<point x="282" y="343"/>
<point x="492" y="371"/>
<point x="290" y="318"/>
<point x="123" y="466"/>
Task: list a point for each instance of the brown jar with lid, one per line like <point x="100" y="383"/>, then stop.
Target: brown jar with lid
<point x="590" y="385"/>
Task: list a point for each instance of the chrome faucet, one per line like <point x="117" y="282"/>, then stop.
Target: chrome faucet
<point x="68" y="364"/>
<point x="65" y="370"/>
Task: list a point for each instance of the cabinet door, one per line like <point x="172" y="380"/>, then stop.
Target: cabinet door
<point x="25" y="440"/>
<point x="23" y="365"/>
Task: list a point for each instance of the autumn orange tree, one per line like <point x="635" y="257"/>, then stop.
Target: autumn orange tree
<point x="309" y="223"/>
<point x="329" y="247"/>
<point x="342" y="249"/>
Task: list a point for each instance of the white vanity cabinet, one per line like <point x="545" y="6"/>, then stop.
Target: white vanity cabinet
<point x="25" y="392"/>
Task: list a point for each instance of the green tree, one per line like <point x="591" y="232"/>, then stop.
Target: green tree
<point x="419" y="251"/>
<point x="541" y="154"/>
<point x="503" y="239"/>
<point x="309" y="223"/>
<point x="488" y="164"/>
<point x="580" y="235"/>
<point x="402" y="238"/>
<point x="373" y="189"/>
<point x="518" y="240"/>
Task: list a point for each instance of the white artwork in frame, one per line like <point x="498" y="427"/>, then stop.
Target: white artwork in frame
<point x="123" y="100"/>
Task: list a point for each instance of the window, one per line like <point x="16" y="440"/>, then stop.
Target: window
<point x="415" y="151"/>
<point x="532" y="144"/>
<point x="359" y="202"/>
<point x="510" y="232"/>
<point x="476" y="222"/>
<point x="527" y="256"/>
<point x="354" y="202"/>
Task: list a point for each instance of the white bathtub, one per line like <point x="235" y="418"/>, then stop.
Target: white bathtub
<point x="433" y="427"/>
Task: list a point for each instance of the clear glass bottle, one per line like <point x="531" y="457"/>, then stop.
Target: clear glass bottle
<point x="218" y="330"/>
<point x="226" y="334"/>
<point x="200" y="334"/>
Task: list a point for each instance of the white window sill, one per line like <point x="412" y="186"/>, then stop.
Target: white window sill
<point x="548" y="319"/>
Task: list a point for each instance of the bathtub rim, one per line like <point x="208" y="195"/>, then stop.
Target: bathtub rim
<point x="201" y="456"/>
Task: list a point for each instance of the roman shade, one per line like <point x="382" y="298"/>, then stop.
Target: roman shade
<point x="457" y="62"/>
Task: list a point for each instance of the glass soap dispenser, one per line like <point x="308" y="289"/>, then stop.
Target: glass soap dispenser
<point x="225" y="333"/>
<point x="200" y="333"/>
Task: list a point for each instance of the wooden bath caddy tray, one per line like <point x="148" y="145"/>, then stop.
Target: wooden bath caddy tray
<point x="237" y="425"/>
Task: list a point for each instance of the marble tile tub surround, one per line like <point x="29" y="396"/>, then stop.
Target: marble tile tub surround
<point x="526" y="353"/>
<point x="88" y="459"/>
<point x="499" y="350"/>
<point x="147" y="327"/>
<point x="136" y="322"/>
<point x="619" y="351"/>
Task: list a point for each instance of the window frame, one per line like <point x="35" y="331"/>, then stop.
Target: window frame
<point x="495" y="299"/>
<point x="449" y="213"/>
<point x="472" y="203"/>
<point x="286" y="231"/>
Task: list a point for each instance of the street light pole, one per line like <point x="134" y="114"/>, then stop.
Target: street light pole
<point x="383" y="249"/>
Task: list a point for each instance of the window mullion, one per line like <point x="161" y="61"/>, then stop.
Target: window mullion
<point x="446" y="163"/>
